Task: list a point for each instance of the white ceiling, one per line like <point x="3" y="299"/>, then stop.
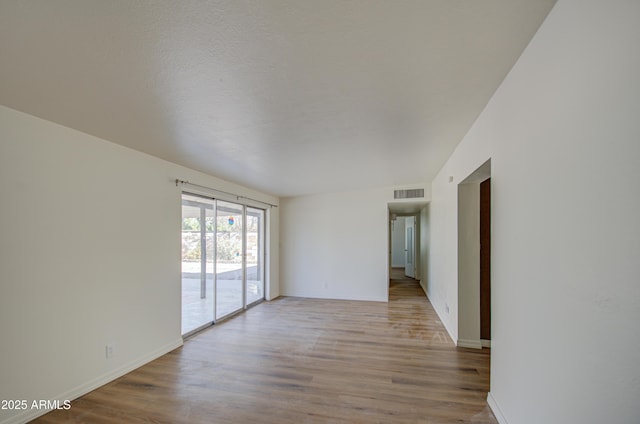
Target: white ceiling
<point x="289" y="97"/>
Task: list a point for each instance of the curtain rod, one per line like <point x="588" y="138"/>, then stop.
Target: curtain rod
<point x="237" y="196"/>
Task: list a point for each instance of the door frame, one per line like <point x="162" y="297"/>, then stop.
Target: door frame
<point x="469" y="305"/>
<point x="391" y="222"/>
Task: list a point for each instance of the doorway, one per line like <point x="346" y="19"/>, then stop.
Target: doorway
<point x="404" y="241"/>
<point x="474" y="259"/>
<point x="397" y="247"/>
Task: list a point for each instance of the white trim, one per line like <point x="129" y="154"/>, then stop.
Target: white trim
<point x="485" y="343"/>
<point x="315" y="296"/>
<point x="473" y="344"/>
<point x="496" y="409"/>
<point x="442" y="319"/>
<point x="28" y="415"/>
<point x="424" y="288"/>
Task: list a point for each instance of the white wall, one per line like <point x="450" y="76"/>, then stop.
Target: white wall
<point x="90" y="255"/>
<point x="272" y="289"/>
<point x="469" y="265"/>
<point x="398" y="243"/>
<point x="563" y="135"/>
<point x="336" y="245"/>
<point x="425" y="247"/>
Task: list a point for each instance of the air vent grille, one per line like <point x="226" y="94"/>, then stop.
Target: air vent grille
<point x="408" y="194"/>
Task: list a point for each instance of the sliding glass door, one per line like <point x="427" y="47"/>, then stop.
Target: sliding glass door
<point x="197" y="262"/>
<point x="223" y="251"/>
<point x="255" y="255"/>
<point x="230" y="243"/>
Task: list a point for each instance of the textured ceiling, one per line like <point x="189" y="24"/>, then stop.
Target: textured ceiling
<point x="289" y="97"/>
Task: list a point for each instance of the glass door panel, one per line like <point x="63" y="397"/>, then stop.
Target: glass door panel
<point x="197" y="262"/>
<point x="255" y="255"/>
<point x="229" y="258"/>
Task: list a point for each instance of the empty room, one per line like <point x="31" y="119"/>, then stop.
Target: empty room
<point x="340" y="211"/>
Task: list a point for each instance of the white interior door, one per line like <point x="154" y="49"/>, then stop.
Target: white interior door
<point x="410" y="247"/>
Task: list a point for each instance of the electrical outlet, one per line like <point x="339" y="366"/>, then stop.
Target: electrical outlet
<point x="108" y="350"/>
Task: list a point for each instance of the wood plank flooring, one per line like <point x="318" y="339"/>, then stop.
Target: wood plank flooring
<point x="296" y="360"/>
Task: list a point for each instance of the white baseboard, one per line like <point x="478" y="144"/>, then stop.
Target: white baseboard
<point x="496" y="409"/>
<point x="384" y="299"/>
<point x="424" y="287"/>
<point x="444" y="321"/>
<point x="28" y="415"/>
<point x="473" y="344"/>
<point x="485" y="343"/>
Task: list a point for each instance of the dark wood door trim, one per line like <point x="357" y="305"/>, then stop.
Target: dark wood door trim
<point x="485" y="260"/>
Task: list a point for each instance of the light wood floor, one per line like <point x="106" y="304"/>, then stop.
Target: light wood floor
<point x="296" y="360"/>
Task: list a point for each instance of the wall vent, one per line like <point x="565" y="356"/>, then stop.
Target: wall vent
<point x="413" y="193"/>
